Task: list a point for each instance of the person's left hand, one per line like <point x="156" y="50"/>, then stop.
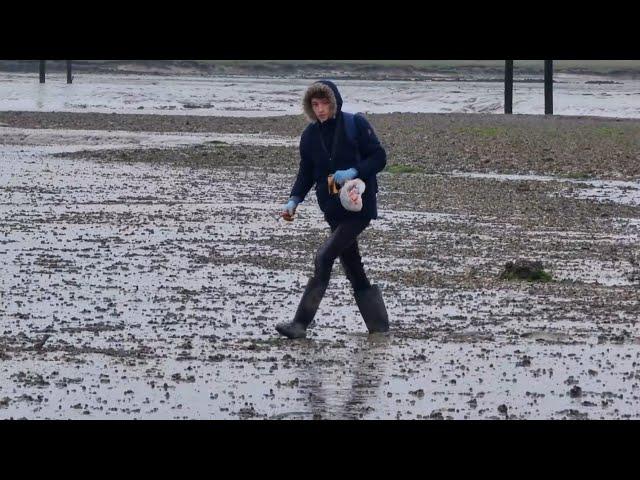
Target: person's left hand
<point x="342" y="176"/>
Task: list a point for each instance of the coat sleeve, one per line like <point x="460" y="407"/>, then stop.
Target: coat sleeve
<point x="373" y="157"/>
<point x="304" y="180"/>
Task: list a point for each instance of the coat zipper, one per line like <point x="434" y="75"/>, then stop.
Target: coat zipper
<point x="335" y="142"/>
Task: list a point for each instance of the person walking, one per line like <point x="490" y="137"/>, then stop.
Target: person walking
<point x="336" y="149"/>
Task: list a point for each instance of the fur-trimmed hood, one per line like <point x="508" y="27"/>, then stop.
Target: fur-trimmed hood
<point x="328" y="89"/>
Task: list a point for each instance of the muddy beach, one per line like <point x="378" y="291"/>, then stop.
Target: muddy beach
<point x="145" y="268"/>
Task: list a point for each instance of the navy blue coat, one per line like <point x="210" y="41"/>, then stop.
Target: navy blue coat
<point x="315" y="166"/>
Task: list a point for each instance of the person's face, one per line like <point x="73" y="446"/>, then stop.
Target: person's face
<point x="321" y="108"/>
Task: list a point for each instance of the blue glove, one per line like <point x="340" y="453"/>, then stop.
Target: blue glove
<point x="341" y="176"/>
<point x="290" y="206"/>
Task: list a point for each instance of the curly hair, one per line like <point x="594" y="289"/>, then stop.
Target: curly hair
<point x="318" y="90"/>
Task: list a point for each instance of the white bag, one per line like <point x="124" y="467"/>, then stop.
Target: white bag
<point x="347" y="203"/>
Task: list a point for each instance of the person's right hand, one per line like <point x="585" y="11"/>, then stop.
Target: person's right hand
<point x="289" y="210"/>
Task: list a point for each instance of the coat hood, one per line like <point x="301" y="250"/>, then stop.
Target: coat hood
<point x="322" y="88"/>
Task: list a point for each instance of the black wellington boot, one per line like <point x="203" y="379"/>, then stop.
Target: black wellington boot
<point x="371" y="306"/>
<point x="307" y="309"/>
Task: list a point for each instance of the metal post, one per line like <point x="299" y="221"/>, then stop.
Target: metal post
<point x="548" y="87"/>
<point x="508" y="86"/>
<point x="69" y="76"/>
<point x="42" y="70"/>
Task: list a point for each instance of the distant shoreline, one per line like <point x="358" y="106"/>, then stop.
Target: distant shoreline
<point x="338" y="71"/>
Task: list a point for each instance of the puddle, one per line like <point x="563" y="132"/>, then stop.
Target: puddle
<point x="616" y="191"/>
<point x="611" y="273"/>
<point x="624" y="193"/>
<point x="58" y="140"/>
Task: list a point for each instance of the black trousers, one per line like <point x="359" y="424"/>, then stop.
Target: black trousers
<point x="343" y="244"/>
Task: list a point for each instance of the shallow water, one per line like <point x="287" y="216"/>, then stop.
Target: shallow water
<point x="60" y="140"/>
<point x="254" y="96"/>
<point x="616" y="191"/>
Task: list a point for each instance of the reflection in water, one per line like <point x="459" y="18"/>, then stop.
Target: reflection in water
<point x="41" y="95"/>
<point x="330" y="391"/>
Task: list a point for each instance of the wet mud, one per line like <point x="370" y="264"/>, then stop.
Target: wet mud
<point x="143" y="279"/>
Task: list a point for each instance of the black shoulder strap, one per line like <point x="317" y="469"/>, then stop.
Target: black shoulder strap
<point x="352" y="132"/>
<point x="334" y="147"/>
